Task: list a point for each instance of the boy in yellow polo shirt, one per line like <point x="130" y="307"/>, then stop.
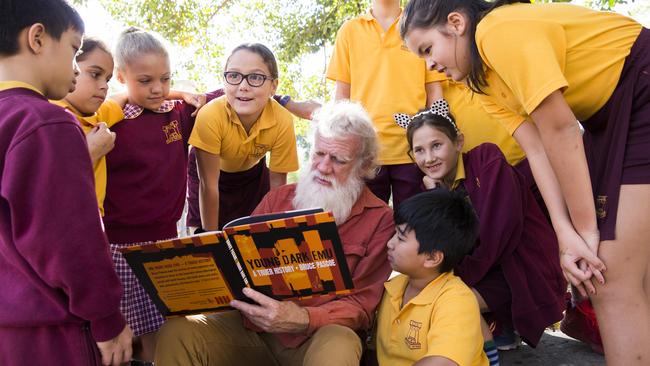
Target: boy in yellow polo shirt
<point x="428" y="315"/>
<point x="371" y="65"/>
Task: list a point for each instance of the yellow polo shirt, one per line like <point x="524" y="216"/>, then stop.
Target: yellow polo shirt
<point x="442" y="320"/>
<point x="532" y="50"/>
<point x="476" y="124"/>
<point x="219" y="131"/>
<point x="384" y="76"/>
<point x="109" y="112"/>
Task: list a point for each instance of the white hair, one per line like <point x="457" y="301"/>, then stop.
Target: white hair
<point x="344" y="119"/>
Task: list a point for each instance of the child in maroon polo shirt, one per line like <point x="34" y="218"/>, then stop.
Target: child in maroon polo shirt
<point x="514" y="270"/>
<point x="59" y="303"/>
<point x="146" y="169"/>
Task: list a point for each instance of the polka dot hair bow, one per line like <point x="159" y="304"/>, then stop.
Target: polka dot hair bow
<point x="439" y="107"/>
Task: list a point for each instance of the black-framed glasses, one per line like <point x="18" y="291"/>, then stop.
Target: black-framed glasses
<point x="254" y="80"/>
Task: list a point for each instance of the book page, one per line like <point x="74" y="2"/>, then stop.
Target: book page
<point x="190" y="282"/>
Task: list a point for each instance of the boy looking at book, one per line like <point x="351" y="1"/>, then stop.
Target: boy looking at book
<point x="428" y="316"/>
<point x="60" y="296"/>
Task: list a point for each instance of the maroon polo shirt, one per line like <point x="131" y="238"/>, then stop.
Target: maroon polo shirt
<point x="56" y="273"/>
<point x="147" y="175"/>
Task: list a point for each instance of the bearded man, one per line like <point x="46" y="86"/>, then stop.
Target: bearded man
<point x="321" y="330"/>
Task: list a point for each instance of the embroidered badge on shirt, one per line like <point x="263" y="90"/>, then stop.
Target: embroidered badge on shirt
<point x="172" y="132"/>
<point x="132" y="111"/>
<point x="412" y="339"/>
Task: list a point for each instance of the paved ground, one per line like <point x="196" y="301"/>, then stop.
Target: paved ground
<point x="555" y="349"/>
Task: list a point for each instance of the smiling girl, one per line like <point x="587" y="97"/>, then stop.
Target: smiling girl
<point x="233" y="134"/>
<point x="514" y="270"/>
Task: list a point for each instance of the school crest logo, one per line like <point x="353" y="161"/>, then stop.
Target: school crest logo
<point x="412" y="339"/>
<point x="172" y="132"/>
<point x="259" y="150"/>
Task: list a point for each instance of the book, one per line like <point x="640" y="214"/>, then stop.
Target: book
<point x="287" y="256"/>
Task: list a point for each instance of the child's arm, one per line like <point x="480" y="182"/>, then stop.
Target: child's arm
<point x="277" y="179"/>
<point x="434" y="92"/>
<point x="342" y="91"/>
<point x="197" y="100"/>
<point x="209" y="167"/>
<point x="304" y="109"/>
<point x="435" y="361"/>
<point x="101" y="141"/>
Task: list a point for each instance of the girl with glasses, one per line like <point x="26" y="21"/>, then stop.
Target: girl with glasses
<point x="234" y="133"/>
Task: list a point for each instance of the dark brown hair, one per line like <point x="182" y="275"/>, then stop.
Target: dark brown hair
<point x="430" y="13"/>
<point x="265" y="53"/>
<point x="90" y="44"/>
<point x="432" y="120"/>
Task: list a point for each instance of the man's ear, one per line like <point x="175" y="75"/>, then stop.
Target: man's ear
<point x="434" y="259"/>
<point x="36" y="38"/>
<point x="457" y="23"/>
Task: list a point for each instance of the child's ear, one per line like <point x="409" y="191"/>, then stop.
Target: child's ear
<point x="434" y="259"/>
<point x="120" y="75"/>
<point x="457" y="23"/>
<point x="274" y="86"/>
<point x="460" y="142"/>
<point x="36" y="38"/>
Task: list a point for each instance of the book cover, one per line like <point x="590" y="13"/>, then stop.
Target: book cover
<point x="289" y="255"/>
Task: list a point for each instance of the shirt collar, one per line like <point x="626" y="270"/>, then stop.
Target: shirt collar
<point x="366" y="200"/>
<point x="88" y="120"/>
<point x="395" y="289"/>
<point x="132" y="111"/>
<point x="460" y="172"/>
<point x="265" y="121"/>
<point x="12" y="84"/>
<point x="369" y="17"/>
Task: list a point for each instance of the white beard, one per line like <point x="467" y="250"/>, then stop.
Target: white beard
<point x="338" y="199"/>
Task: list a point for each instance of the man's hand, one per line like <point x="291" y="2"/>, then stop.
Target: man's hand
<point x="271" y="315"/>
<point x="101" y="141"/>
<point x="117" y="350"/>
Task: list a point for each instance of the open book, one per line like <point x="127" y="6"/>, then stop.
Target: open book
<point x="288" y="255"/>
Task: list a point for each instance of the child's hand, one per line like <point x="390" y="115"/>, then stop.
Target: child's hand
<point x="101" y="141"/>
<point x="304" y="109"/>
<point x="197" y="100"/>
<point x="117" y="350"/>
<point x="431" y="183"/>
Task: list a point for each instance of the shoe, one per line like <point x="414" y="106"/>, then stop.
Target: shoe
<point x="507" y="340"/>
<point x="580" y="323"/>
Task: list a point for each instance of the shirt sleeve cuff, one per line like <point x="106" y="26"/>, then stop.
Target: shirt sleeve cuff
<point x="317" y="319"/>
<point x="107" y="328"/>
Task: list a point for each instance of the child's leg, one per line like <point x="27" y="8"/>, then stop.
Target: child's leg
<point x="623" y="303"/>
<point x="489" y="347"/>
<point x="485" y="328"/>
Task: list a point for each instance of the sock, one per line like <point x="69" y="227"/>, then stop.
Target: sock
<point x="491" y="352"/>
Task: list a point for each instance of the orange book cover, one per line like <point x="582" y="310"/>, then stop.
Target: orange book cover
<point x="288" y="255"/>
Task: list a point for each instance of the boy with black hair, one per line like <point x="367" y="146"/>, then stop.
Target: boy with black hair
<point x="59" y="303"/>
<point x="428" y="316"/>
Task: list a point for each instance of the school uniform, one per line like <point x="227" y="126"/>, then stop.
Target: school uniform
<point x="442" y="320"/>
<point x="601" y="71"/>
<point x="515" y="265"/>
<point x="60" y="293"/>
<point x="110" y="113"/>
<point x="244" y="177"/>
<point x="145" y="193"/>
<point x="386" y="78"/>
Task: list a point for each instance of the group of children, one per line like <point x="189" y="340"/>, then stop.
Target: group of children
<point x="481" y="218"/>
